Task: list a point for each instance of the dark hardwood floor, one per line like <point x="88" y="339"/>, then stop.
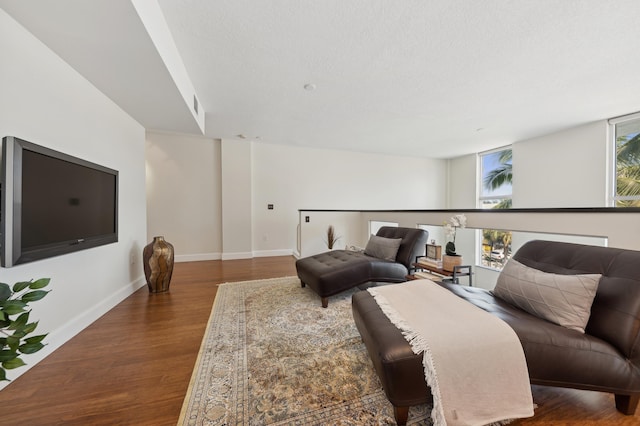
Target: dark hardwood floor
<point x="133" y="365"/>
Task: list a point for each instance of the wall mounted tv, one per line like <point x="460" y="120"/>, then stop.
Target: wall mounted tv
<point x="53" y="203"/>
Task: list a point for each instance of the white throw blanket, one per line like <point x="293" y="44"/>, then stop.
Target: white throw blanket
<point x="473" y="361"/>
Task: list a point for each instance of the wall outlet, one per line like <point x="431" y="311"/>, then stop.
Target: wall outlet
<point x="306" y="219"/>
<point x="133" y="258"/>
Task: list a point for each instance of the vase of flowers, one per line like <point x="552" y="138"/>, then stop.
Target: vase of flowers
<point x="451" y="258"/>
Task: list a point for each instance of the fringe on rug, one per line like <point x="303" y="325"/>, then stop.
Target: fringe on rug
<point x="418" y="344"/>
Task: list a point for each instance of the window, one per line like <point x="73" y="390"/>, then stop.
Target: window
<point x="626" y="133"/>
<point x="496" y="248"/>
<point x="496" y="177"/>
<point x="375" y="225"/>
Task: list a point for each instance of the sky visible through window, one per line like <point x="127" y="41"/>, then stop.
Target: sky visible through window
<point x="628" y="130"/>
<point x="491" y="162"/>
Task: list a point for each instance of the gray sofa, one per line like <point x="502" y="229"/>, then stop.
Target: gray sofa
<point x="605" y="358"/>
<point x="335" y="271"/>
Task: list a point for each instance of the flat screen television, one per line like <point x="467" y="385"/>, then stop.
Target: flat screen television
<point x="53" y="203"/>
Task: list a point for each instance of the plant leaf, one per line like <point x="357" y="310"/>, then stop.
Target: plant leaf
<point x="19" y="334"/>
<point x="32" y="296"/>
<point x="13" y="363"/>
<point x="29" y="328"/>
<point x="13" y="343"/>
<point x="12" y="307"/>
<point x="30" y="348"/>
<point x="6" y="355"/>
<point x="19" y="286"/>
<point x="35" y="339"/>
<point x="20" y="322"/>
<point x="5" y="292"/>
<point x="41" y="283"/>
<point x="3" y="375"/>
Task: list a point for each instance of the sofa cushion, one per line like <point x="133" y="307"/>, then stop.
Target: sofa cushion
<point x="383" y="248"/>
<point x="562" y="299"/>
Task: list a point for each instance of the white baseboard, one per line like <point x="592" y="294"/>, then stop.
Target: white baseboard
<point x="270" y="253"/>
<point x="237" y="255"/>
<point x="233" y="256"/>
<point x="197" y="257"/>
<point x="62" y="335"/>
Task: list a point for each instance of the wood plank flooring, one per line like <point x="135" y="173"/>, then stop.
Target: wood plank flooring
<point x="133" y="365"/>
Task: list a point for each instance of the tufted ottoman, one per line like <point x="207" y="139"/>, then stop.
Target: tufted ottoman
<point x="339" y="270"/>
<point x="335" y="271"/>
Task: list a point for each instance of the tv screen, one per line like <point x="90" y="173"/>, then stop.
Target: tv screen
<point x="53" y="203"/>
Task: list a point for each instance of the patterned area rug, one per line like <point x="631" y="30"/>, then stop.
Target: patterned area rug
<point x="272" y="355"/>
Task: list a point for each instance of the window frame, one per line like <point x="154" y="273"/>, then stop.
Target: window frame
<point x="613" y="197"/>
<point x="480" y="186"/>
<point x="480" y="252"/>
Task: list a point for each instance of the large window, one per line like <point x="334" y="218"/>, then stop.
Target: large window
<point x="496" y="177"/>
<point x="626" y="131"/>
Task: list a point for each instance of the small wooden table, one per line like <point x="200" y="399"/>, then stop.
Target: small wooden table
<point x="458" y="271"/>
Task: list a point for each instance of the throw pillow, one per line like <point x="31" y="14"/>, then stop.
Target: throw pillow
<point x="383" y="248"/>
<point x="562" y="299"/>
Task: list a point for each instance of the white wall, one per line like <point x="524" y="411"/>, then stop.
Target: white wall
<point x="293" y="178"/>
<point x="347" y="226"/>
<point x="192" y="181"/>
<point x="184" y="185"/>
<point x="46" y="102"/>
<point x="564" y="169"/>
<point x="236" y="199"/>
<point x="463" y="174"/>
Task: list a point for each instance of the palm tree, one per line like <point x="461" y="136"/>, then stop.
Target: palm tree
<point x="501" y="175"/>
<point x="628" y="170"/>
<point x="506" y="242"/>
<point x="490" y="237"/>
<point x="493" y="237"/>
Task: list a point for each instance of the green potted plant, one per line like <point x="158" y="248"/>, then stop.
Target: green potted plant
<point x="15" y="325"/>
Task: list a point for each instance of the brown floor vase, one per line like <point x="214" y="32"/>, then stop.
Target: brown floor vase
<point x="158" y="264"/>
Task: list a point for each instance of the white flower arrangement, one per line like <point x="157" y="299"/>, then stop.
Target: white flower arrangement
<point x="450" y="228"/>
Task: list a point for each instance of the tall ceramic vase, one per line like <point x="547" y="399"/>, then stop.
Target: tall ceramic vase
<point x="158" y="264"/>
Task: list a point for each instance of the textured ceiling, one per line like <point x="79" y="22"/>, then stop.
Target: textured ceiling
<point x="437" y="78"/>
